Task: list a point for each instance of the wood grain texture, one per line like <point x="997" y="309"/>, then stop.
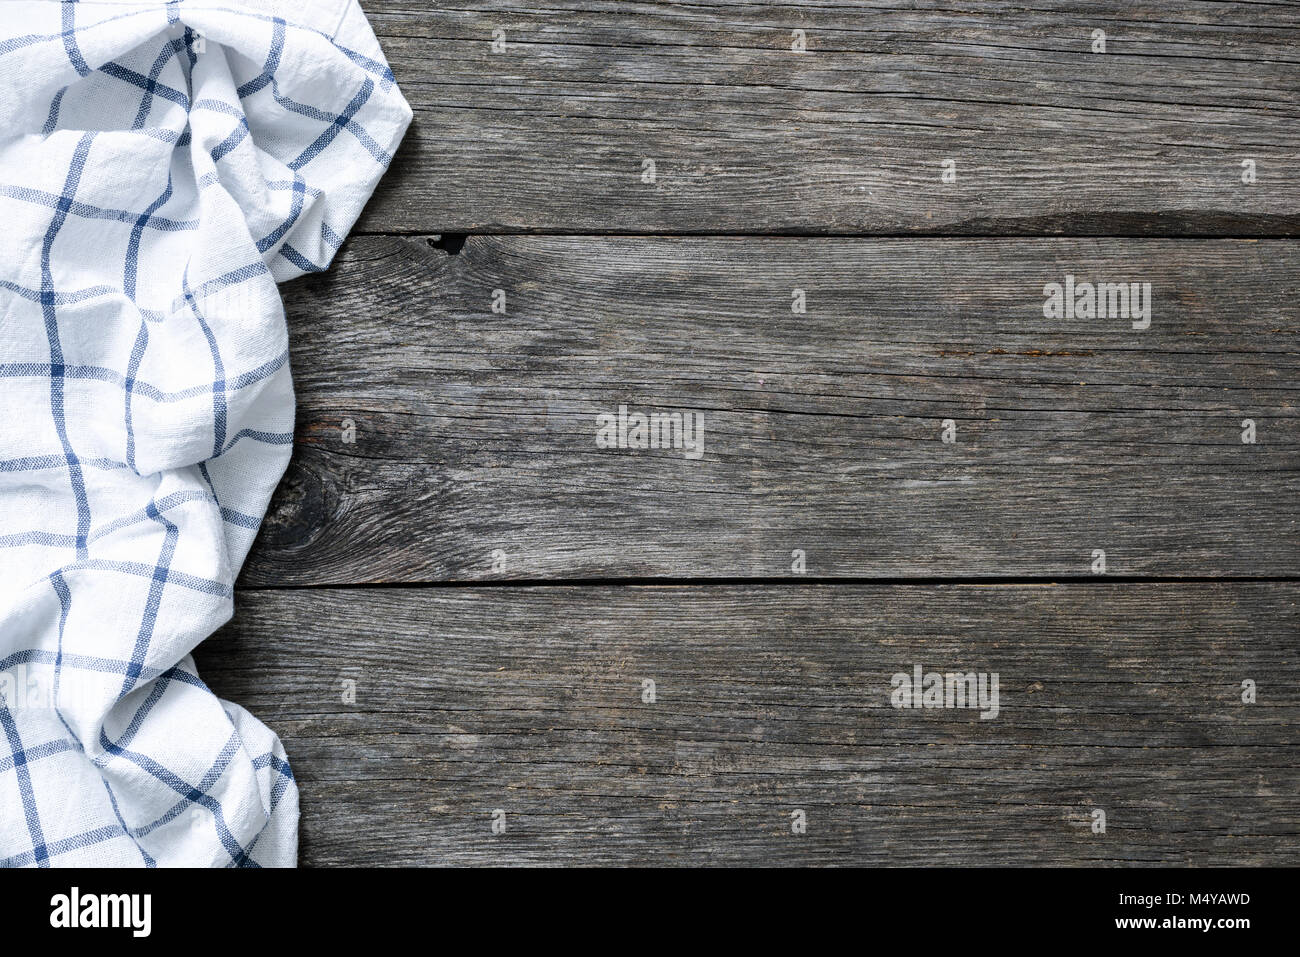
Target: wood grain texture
<point x="847" y="138"/>
<point x="771" y="698"/>
<point x="477" y="432"/>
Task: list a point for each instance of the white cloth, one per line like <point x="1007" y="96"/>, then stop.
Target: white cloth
<point x="162" y="166"/>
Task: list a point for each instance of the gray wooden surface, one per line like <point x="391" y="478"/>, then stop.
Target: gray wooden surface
<point x="748" y="136"/>
<point x="476" y="431"/>
<point x="771" y="699"/>
<point x="451" y="539"/>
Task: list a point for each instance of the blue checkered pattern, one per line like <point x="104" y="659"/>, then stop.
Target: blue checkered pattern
<point x="163" y="165"/>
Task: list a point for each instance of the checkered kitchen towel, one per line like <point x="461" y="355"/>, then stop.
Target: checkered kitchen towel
<point x="162" y="166"/>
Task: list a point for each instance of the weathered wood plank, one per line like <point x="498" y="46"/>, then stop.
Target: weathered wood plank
<point x="476" y="432"/>
<point x="768" y="699"/>
<point x="748" y="136"/>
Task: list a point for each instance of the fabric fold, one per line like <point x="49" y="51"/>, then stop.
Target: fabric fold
<point x="163" y="165"/>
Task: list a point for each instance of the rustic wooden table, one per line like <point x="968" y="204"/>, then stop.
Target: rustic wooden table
<point x="487" y="640"/>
